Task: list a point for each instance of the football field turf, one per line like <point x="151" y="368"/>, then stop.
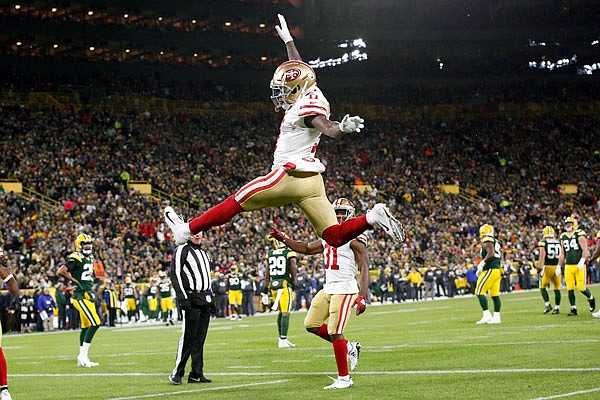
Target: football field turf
<point x="423" y="350"/>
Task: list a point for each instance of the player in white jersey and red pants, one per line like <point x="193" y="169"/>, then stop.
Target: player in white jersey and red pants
<point x="340" y="293"/>
<point x="295" y="176"/>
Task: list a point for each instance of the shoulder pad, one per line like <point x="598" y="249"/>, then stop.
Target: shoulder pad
<point x="541" y="243"/>
<point x="75" y="256"/>
<point x="291" y="254"/>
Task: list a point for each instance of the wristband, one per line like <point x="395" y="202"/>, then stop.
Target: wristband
<point x="8" y="278"/>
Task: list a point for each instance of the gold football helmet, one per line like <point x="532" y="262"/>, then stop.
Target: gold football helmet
<point x="276" y="243"/>
<point x="290" y="81"/>
<point x="486" y="230"/>
<point x="548" y="231"/>
<point x="344" y="209"/>
<point x="83" y="244"/>
<point x="571" y="220"/>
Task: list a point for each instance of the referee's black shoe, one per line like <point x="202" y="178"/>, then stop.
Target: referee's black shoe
<point x="193" y="378"/>
<point x="175" y="380"/>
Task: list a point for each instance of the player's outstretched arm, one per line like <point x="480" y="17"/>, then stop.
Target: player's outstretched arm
<point x="286" y="37"/>
<point x="335" y="129"/>
<point x="299" y="247"/>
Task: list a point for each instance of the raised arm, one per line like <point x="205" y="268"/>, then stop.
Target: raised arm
<point x="286" y="37"/>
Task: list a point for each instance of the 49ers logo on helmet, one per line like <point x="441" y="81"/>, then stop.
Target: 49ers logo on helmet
<point x="292" y="74"/>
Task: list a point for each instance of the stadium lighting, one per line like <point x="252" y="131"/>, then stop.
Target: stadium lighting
<point x="263" y="58"/>
<point x="127" y="50"/>
<point x="55" y="46"/>
<point x="125" y="15"/>
<point x="92" y="48"/>
<point x="354" y="55"/>
<point x="54" y="9"/>
<point x="262" y="25"/>
<point x="194" y="22"/>
<point x="17" y="6"/>
<point x="90" y="13"/>
<point x="227" y="23"/>
<point x="19" y="43"/>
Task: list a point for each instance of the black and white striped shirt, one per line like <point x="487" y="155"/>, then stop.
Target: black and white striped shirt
<point x="190" y="269"/>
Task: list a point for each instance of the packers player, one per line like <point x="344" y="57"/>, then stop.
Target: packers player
<point x="80" y="270"/>
<point x="234" y="290"/>
<point x="166" y="298"/>
<point x="279" y="280"/>
<point x="129" y="295"/>
<point x="573" y="257"/>
<point x="340" y="293"/>
<point x="152" y="297"/>
<point x="550" y="250"/>
<point x="489" y="275"/>
<point x="13" y="288"/>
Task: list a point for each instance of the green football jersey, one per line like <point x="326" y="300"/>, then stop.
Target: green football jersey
<point x="571" y="246"/>
<point x="234" y="282"/>
<point x="82" y="269"/>
<point x="280" y="267"/>
<point x="494" y="262"/>
<point x="553" y="249"/>
<point x="165" y="290"/>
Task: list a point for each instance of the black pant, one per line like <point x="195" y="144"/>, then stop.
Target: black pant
<point x="195" y="327"/>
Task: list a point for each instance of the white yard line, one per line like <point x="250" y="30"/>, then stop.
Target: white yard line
<point x="276" y="373"/>
<point x="558" y="396"/>
<point x="208" y="389"/>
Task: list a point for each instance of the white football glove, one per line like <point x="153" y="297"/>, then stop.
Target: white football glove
<point x="557" y="273"/>
<point x="581" y="263"/>
<point x="282" y="30"/>
<point x="480" y="267"/>
<point x="351" y="124"/>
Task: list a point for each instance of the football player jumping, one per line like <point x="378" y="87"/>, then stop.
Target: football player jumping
<point x="295" y="176"/>
<point x="340" y="292"/>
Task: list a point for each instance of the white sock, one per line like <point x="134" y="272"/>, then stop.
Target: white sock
<point x="86" y="348"/>
<point x="487" y="314"/>
<point x="547" y="304"/>
<point x="497" y="315"/>
<point x="81" y="351"/>
<point x="344" y="378"/>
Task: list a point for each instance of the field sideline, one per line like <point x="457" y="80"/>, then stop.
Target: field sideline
<point x="424" y="350"/>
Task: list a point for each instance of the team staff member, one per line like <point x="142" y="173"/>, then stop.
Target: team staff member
<point x="573" y="257"/>
<point x="550" y="250"/>
<point x="13" y="289"/>
<point x="190" y="276"/>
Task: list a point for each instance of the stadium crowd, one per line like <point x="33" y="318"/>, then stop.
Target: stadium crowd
<point x="85" y="159"/>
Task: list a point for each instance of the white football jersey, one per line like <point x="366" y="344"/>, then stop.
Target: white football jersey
<point x="297" y="144"/>
<point x="340" y="268"/>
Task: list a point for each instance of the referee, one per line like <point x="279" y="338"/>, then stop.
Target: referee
<point x="190" y="276"/>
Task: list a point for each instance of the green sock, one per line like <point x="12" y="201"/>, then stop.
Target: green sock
<point x="497" y="303"/>
<point x="483" y="302"/>
<point x="285" y="324"/>
<point x="587" y="293"/>
<point x="544" y="293"/>
<point x="557" y="297"/>
<point x="82" y="335"/>
<point x="279" y="324"/>
<point x="572" y="298"/>
<point x="90" y="333"/>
